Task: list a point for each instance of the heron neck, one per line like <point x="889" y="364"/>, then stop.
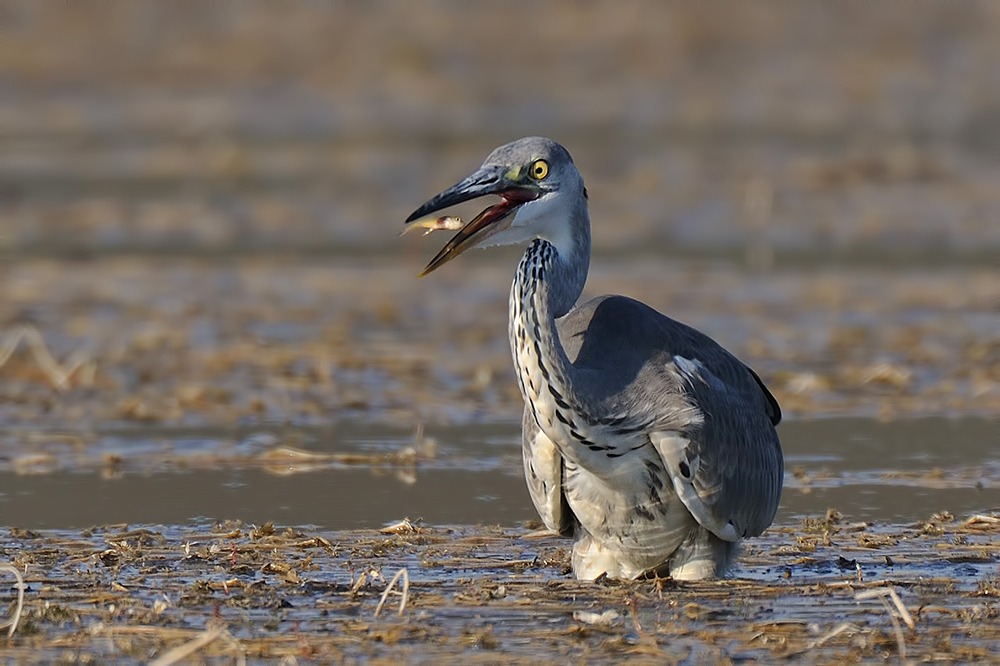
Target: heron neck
<point x="546" y="287"/>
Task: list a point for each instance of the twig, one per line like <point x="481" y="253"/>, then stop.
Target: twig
<point x="889" y="592"/>
<point x="56" y="373"/>
<point x="900" y="639"/>
<point x="406" y="591"/>
<point x="20" y="598"/>
<point x="836" y="631"/>
<point x="982" y="518"/>
<point x="881" y="594"/>
<point x="367" y="574"/>
<point x="181" y="652"/>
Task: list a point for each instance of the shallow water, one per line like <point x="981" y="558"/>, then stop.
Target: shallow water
<point x="492" y="594"/>
<point x="355" y="475"/>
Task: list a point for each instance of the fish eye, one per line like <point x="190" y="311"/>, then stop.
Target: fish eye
<point x="540" y="169"/>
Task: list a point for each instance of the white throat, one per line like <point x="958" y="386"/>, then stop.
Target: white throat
<point x="547" y="217"/>
<point x="550" y="218"/>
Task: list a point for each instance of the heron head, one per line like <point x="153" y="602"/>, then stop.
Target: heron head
<point x="538" y="186"/>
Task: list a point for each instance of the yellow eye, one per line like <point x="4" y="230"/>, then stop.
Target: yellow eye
<point x="540" y="169"/>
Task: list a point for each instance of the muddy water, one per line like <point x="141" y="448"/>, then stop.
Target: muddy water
<point x="361" y="476"/>
<point x="199" y="563"/>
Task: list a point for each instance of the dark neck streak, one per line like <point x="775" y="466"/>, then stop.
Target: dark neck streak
<point x="545" y="288"/>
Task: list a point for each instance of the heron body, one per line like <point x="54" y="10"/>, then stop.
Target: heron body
<point x="643" y="439"/>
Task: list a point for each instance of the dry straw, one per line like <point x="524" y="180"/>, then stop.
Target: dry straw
<point x="20" y="599"/>
<point x="58" y="374"/>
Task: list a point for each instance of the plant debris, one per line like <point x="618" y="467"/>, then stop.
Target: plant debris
<point x="268" y="592"/>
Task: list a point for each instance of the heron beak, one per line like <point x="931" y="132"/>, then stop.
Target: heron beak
<point x="501" y="181"/>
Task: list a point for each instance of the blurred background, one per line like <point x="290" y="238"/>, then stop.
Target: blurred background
<point x="201" y="201"/>
<point x="838" y="130"/>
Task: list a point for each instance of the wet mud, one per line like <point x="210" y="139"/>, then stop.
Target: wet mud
<point x="819" y="590"/>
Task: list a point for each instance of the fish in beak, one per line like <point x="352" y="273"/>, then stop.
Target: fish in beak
<point x="499" y="180"/>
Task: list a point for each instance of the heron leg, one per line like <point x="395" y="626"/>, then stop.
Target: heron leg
<point x="591" y="559"/>
<point x="701" y="556"/>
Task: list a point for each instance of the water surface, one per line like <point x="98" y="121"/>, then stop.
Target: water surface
<point x="355" y="475"/>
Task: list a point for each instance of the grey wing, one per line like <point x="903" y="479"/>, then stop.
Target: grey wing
<point x="543" y="470"/>
<point x="707" y="414"/>
<point x="727" y="468"/>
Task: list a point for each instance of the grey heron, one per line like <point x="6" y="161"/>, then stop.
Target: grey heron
<point x="643" y="439"/>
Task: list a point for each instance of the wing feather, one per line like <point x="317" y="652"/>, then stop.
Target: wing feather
<point x="698" y="404"/>
<point x="683" y="469"/>
<point x="543" y="471"/>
